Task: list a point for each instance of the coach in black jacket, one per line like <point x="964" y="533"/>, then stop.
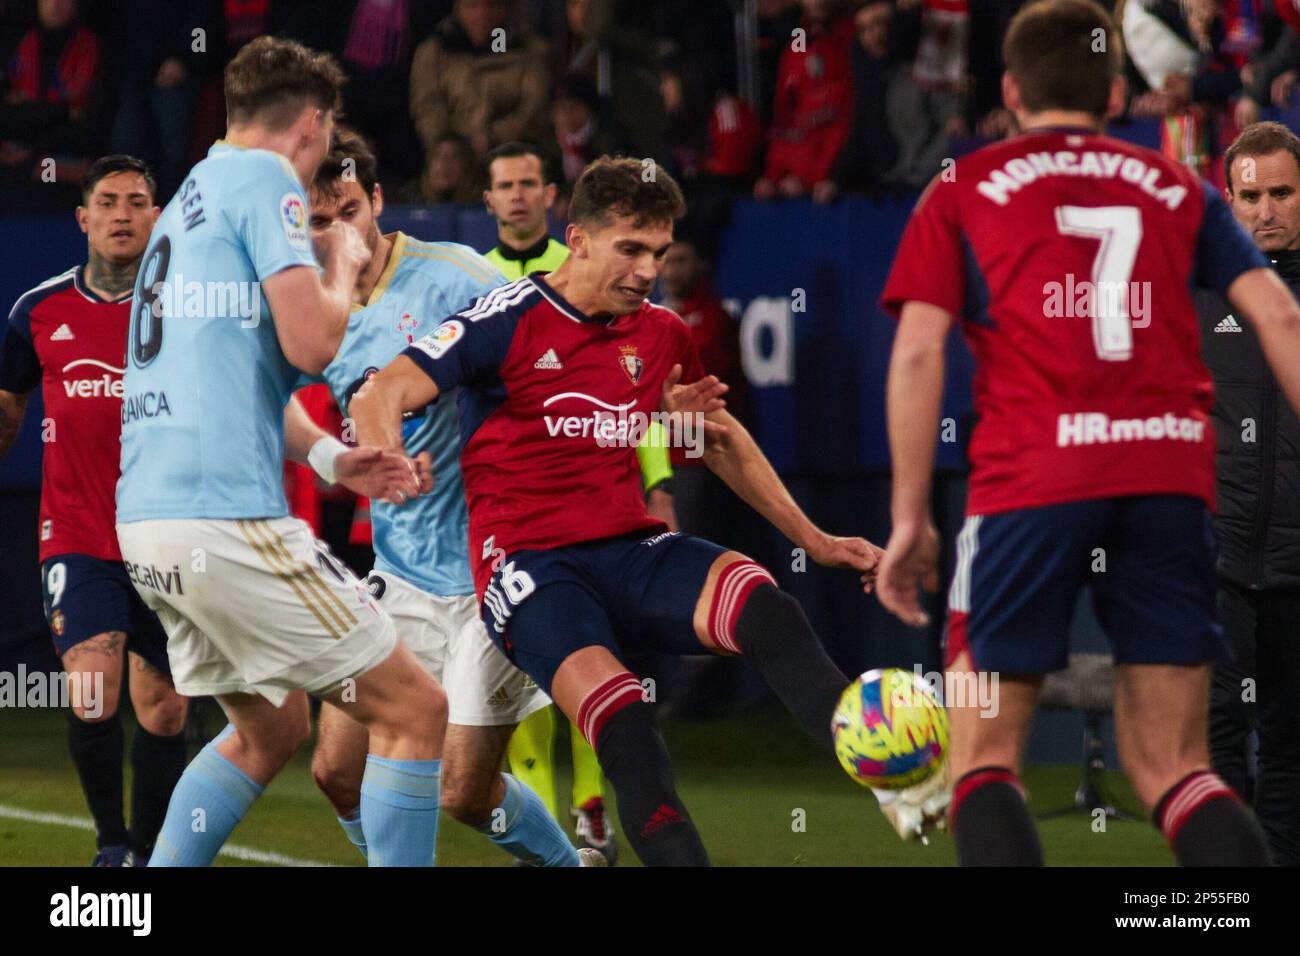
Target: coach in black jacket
<point x="1258" y="520"/>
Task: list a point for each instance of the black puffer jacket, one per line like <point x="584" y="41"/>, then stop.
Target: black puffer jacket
<point x="1258" y="457"/>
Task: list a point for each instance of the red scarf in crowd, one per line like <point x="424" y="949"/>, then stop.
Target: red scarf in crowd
<point x="73" y="76"/>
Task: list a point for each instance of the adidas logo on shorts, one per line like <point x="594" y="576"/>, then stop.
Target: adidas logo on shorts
<point x="1229" y="324"/>
<point x="549" y="360"/>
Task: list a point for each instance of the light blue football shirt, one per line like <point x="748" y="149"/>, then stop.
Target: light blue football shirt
<point x="425" y="541"/>
<point x="206" y="381"/>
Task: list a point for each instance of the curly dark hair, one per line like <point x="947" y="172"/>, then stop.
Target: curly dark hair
<point x="620" y="186"/>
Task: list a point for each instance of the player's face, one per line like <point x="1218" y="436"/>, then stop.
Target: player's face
<point x="118" y="217"/>
<point x="350" y="205"/>
<point x="1266" y="199"/>
<point x="624" y="261"/>
<point x="517" y="196"/>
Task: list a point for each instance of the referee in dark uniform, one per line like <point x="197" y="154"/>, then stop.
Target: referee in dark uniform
<point x="1258" y="521"/>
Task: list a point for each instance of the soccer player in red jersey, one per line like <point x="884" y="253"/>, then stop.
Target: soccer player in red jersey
<point x="68" y="335"/>
<point x="1069" y="258"/>
<point x="556" y="373"/>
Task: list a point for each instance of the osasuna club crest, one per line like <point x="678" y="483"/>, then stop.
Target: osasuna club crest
<point x="630" y="362"/>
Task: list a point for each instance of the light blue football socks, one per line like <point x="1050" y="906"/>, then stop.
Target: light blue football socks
<point x="525" y="828"/>
<point x="399" y="811"/>
<point x="210" y="799"/>
<point x="351" y="825"/>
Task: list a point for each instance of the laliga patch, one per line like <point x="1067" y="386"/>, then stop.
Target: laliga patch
<point x="293" y="214"/>
<point x="435" y="344"/>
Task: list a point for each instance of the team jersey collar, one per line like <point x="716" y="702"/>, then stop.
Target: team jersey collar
<point x="1077" y="130"/>
<point x="557" y="300"/>
<point x="79" y="281"/>
<point x="535" y="251"/>
<point x="394" y="258"/>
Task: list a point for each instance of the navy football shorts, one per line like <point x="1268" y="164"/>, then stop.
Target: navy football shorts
<point x="629" y="594"/>
<point x="87" y="596"/>
<point x="1148" y="560"/>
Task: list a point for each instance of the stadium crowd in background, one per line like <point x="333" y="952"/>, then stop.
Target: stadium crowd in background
<point x="854" y="96"/>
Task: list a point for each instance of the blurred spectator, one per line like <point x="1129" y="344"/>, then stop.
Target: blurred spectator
<point x="377" y="59"/>
<point x="871" y="150"/>
<point x="814" y="103"/>
<point x="579" y="132"/>
<point x="1270" y="76"/>
<point x="941" y="51"/>
<point x="703" y="503"/>
<point x="777" y="20"/>
<point x="56" y="106"/>
<point x="161" y="71"/>
<point x="712" y="133"/>
<point x="448" y="175"/>
<point x="602" y="41"/>
<point x="475" y="77"/>
<point x="1181" y="74"/>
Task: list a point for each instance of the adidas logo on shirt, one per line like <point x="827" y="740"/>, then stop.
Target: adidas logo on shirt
<point x="1229" y="324"/>
<point x="549" y="360"/>
<point x="62" y="334"/>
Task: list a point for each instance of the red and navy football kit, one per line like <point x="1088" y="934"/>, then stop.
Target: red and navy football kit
<point x="564" y="554"/>
<point x="65" y="338"/>
<point x="1069" y="258"/>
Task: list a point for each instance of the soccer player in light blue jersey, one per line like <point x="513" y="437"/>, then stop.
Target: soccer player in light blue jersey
<point x="230" y="306"/>
<point x="421" y="574"/>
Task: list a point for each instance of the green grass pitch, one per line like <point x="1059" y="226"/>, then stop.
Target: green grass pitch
<point x="760" y="794"/>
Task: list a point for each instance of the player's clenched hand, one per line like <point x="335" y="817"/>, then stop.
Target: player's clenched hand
<point x="375" y="473"/>
<point x="340" y="247"/>
<point x="911" y="561"/>
<point x="698" y="398"/>
<point x="856" y="553"/>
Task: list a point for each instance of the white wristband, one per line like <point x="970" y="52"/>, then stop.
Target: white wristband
<point x="322" y="456"/>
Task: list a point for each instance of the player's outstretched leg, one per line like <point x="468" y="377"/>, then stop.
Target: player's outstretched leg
<point x="501" y="807"/>
<point x="95" y="738"/>
<point x="404" y="710"/>
<point x="228" y="775"/>
<point x="1160" y="725"/>
<point x="338" y="765"/>
<point x="157" y="752"/>
<point x="990" y="820"/>
<point x="741" y="610"/>
<point x="606" y="702"/>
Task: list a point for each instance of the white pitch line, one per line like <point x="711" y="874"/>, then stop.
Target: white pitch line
<point x="245" y="853"/>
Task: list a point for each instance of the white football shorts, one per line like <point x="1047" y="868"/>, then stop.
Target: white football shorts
<point x="448" y="638"/>
<point x="254" y="606"/>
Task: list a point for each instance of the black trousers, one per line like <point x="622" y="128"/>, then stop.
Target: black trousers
<point x="1260" y="691"/>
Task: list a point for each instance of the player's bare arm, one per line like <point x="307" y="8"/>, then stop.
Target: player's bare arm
<point x="310" y="309"/>
<point x="913" y="396"/>
<point x="12" y="407"/>
<point x="1263" y="298"/>
<point x="733" y="455"/>
<point x="367" y="470"/>
<point x="377" y="407"/>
